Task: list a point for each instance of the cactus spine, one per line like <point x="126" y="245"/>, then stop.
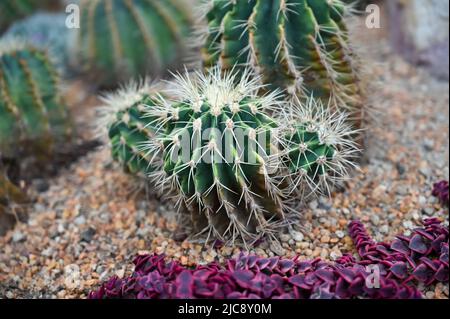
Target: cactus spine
<point x="300" y="46"/>
<point x="32" y="113"/>
<point x="233" y="168"/>
<point x="122" y="39"/>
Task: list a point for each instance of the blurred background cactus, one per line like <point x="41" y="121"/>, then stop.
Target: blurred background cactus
<point x="301" y="46"/>
<point x="48" y="31"/>
<point x="225" y="179"/>
<point x="14" y="10"/>
<point x="33" y="116"/>
<point x="236" y="171"/>
<point x="123" y="39"/>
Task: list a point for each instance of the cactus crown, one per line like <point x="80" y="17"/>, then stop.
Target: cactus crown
<point x="300" y="46"/>
<point x="31" y="107"/>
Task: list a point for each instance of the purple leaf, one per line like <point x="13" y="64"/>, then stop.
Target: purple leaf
<point x="418" y="245"/>
<point x="185" y="283"/>
<point x="243" y="278"/>
<point x="400" y="270"/>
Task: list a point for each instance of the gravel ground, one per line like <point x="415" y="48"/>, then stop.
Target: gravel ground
<point x="90" y="221"/>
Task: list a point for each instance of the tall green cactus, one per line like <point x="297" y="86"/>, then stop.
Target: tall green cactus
<point x="33" y="116"/>
<point x="300" y="46"/>
<point x="123" y="39"/>
<point x="235" y="169"/>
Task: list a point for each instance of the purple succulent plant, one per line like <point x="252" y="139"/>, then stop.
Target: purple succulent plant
<point x="422" y="257"/>
<point x="249" y="276"/>
<point x="441" y="191"/>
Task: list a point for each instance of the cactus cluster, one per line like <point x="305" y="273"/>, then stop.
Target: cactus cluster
<point x="209" y="139"/>
<point x="33" y="117"/>
<point x="122" y="39"/>
<point x="300" y="46"/>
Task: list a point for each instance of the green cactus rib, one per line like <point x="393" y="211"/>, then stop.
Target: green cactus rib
<point x="128" y="131"/>
<point x="31" y="107"/>
<point x="297" y="45"/>
<point x="122" y="39"/>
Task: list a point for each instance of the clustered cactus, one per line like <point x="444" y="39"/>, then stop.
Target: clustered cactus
<point x="300" y="46"/>
<point x="121" y="39"/>
<point x="234" y="168"/>
<point x="33" y="117"/>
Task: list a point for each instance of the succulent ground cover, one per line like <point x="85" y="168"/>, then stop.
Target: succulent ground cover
<point x="423" y="256"/>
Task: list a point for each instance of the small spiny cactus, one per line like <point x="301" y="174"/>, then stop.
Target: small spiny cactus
<point x="33" y="116"/>
<point x="300" y="46"/>
<point x="123" y="39"/>
<point x="318" y="146"/>
<point x="208" y="139"/>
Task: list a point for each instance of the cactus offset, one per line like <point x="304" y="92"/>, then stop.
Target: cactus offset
<point x="11" y="201"/>
<point x="33" y="116"/>
<point x="209" y="140"/>
<point x="122" y="39"/>
<point x="300" y="46"/>
<point x="318" y="148"/>
<point x="127" y="128"/>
